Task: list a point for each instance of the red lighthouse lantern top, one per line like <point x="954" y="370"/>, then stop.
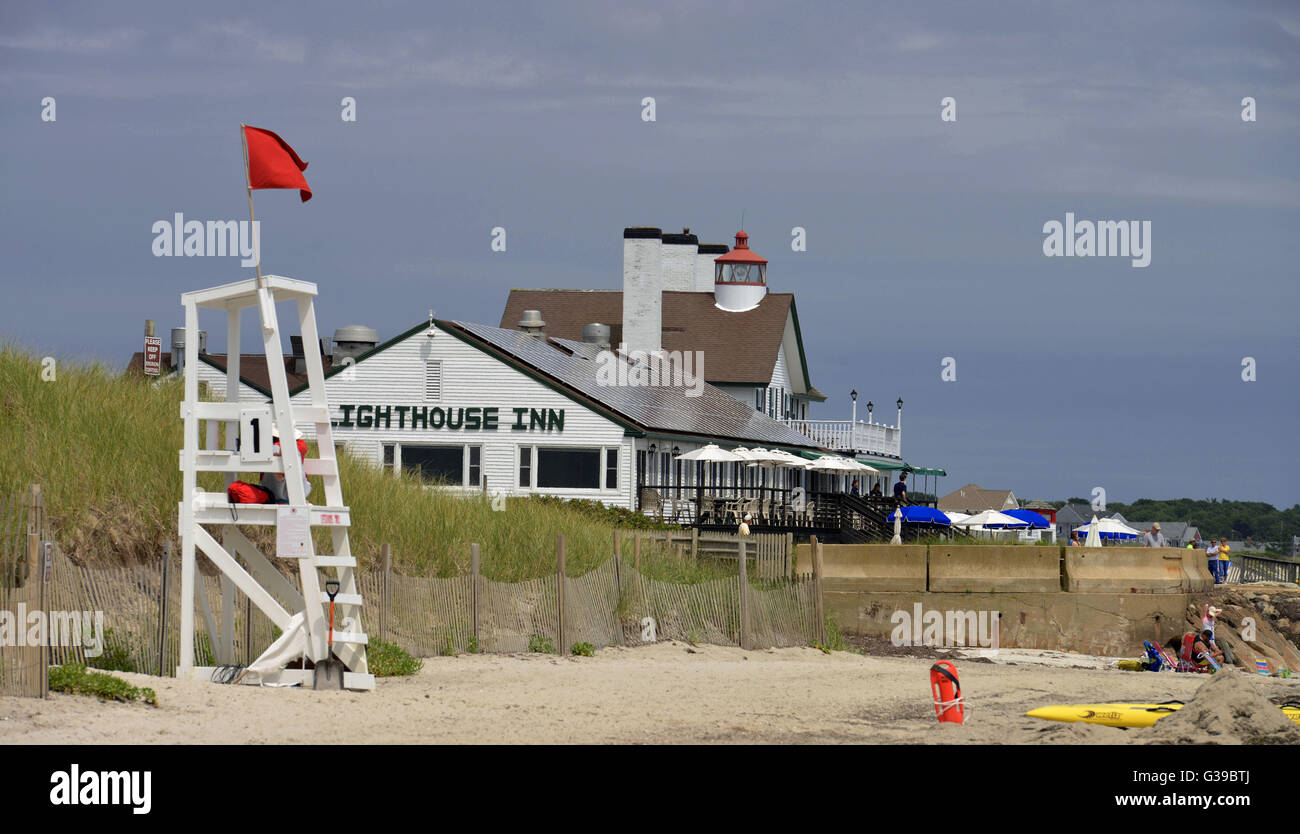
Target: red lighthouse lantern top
<point x="741" y="265"/>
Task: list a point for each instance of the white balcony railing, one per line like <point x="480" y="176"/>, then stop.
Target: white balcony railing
<point x="849" y="437"/>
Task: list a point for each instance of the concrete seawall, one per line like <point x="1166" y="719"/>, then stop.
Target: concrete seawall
<point x="1092" y="600"/>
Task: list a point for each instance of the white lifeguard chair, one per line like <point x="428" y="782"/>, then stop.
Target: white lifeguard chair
<point x="300" y="613"/>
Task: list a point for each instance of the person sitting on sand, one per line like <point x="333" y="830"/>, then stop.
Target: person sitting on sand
<point x="1209" y="620"/>
<point x="1194" y="655"/>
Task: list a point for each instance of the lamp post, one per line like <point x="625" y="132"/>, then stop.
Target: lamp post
<point x="853" y="424"/>
<point x="899" y="424"/>
<point x="870" y="405"/>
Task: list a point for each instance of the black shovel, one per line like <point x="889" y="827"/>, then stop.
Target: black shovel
<point x="329" y="672"/>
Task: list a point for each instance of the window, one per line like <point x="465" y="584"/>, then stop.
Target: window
<point x="758" y="399"/>
<point x="526" y="466"/>
<point x="435" y="463"/>
<point x="568" y="468"/>
<point x="611" y="469"/>
<point x="433" y="380"/>
<point x="475" y="466"/>
<point x="450" y="465"/>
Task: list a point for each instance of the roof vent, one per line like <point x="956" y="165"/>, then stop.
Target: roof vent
<point x="353" y="340"/>
<point x="596" y="334"/>
<point x="532" y="324"/>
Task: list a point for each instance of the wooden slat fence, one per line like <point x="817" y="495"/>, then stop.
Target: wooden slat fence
<point x="140" y="607"/>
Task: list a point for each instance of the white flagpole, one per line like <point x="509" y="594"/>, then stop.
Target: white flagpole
<point x="243" y="138"/>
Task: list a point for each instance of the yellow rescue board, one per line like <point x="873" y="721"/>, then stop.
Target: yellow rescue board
<point x="1123" y="715"/>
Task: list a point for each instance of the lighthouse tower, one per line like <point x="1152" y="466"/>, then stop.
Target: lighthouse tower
<point x="739" y="277"/>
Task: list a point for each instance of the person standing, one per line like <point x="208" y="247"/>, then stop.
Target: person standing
<point x="900" y="489"/>
<point x="1212" y="560"/>
<point x="1154" y="538"/>
<point x="854" y="490"/>
<point x="1225" y="561"/>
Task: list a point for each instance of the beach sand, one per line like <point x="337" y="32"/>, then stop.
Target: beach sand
<point x="670" y="692"/>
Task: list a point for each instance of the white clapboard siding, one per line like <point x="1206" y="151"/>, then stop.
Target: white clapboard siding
<point x="469" y="378"/>
<point x="216" y="382"/>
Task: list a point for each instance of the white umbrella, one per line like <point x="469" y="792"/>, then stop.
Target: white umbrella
<point x="898" y="528"/>
<point x="711" y="453"/>
<point x="1094" y="534"/>
<point x="830" y="463"/>
<point x="783" y="458"/>
<point x="956" y="517"/>
<point x="758" y="457"/>
<point x="1110" y="527"/>
<point x="991" y="519"/>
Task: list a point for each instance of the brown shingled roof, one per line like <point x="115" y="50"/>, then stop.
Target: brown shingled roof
<point x="252" y="368"/>
<point x="738" y="347"/>
<point x="974" y="498"/>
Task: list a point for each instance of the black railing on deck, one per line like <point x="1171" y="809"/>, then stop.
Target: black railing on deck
<point x="835" y="516"/>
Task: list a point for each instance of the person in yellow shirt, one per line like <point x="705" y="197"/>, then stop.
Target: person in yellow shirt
<point x="1225" y="562"/>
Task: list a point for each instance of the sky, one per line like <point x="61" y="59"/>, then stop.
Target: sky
<point x="925" y="237"/>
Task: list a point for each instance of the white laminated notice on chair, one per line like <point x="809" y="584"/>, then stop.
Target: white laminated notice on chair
<point x="293" y="532"/>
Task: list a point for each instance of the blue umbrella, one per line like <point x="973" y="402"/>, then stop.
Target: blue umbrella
<point x="921" y="515"/>
<point x="1035" y="519"/>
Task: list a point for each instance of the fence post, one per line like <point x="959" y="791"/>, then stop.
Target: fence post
<point x="162" y="607"/>
<point x="388" y="578"/>
<point x="47" y="570"/>
<point x="559" y="586"/>
<point x="35" y="529"/>
<point x="695" y="543"/>
<point x="618" y="562"/>
<point x="744" y="595"/>
<point x="788" y="564"/>
<point x="473" y="571"/>
<point x="817" y="588"/>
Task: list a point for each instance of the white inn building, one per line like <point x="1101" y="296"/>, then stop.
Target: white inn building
<point x="523" y="408"/>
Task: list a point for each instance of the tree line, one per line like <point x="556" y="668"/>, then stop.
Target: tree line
<point x="1214" y="517"/>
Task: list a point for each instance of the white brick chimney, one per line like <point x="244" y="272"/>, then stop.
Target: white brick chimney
<point x="679" y="261"/>
<point x="643" y="288"/>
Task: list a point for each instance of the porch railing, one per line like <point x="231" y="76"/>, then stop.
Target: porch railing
<point x="847" y="436"/>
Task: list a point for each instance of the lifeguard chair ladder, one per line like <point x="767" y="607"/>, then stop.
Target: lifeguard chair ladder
<point x="265" y="586"/>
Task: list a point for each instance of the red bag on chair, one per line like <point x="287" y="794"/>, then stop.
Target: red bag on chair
<point x="242" y="493"/>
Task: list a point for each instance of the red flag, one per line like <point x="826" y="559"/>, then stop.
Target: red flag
<point x="272" y="163"/>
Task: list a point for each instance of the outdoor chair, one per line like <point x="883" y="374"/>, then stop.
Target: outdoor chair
<point x="651" y="501"/>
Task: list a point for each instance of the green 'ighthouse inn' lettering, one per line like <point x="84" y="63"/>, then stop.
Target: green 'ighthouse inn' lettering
<point x="474" y="418"/>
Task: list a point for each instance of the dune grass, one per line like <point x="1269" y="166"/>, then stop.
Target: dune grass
<point x="104" y="448"/>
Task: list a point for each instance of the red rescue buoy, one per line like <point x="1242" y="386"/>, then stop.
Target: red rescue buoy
<point x="947" y="692"/>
